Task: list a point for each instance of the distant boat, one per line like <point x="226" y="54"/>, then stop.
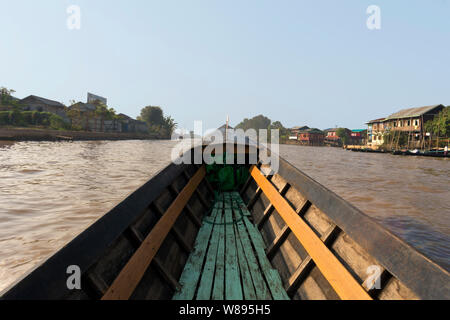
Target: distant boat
<point x="425" y="153"/>
<point x="189" y="233"/>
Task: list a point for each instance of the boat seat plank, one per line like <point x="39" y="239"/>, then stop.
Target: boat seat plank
<point x="207" y="278"/>
<point x="233" y="289"/>
<point x="232" y="264"/>
<point x="193" y="268"/>
<point x="274" y="283"/>
<point x="240" y="203"/>
<point x="262" y="291"/>
<point x="219" y="276"/>
<point x="247" y="282"/>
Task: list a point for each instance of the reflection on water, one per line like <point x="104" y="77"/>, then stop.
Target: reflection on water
<point x="50" y="192"/>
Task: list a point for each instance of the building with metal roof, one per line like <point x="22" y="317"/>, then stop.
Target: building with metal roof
<point x="410" y="121"/>
<point x="416" y="112"/>
<point x="35" y="103"/>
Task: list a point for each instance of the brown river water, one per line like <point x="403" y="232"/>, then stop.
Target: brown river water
<point x="51" y="191"/>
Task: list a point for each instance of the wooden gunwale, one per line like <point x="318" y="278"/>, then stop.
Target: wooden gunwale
<point x="268" y="212"/>
<point x="407" y="265"/>
<point x="177" y="234"/>
<point x="139" y="238"/>
<point x="337" y="275"/>
<point x="51" y="273"/>
<point x="128" y="279"/>
<point x="284" y="233"/>
<point x="189" y="211"/>
<point x="307" y="264"/>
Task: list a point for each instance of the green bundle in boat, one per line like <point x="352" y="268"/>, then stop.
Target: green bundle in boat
<point x="226" y="177"/>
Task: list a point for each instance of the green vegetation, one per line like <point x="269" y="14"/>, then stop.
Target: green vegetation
<point x="394" y="139"/>
<point x="153" y="115"/>
<point x="78" y="117"/>
<point x="33" y="118"/>
<point x="440" y="125"/>
<point x="439" y="128"/>
<point x="104" y="113"/>
<point x="257" y="123"/>
<point x="156" y="121"/>
<point x="12" y="114"/>
<point x="262" y="122"/>
<point x="5" y="96"/>
<point x="343" y="134"/>
<point x="284" y="133"/>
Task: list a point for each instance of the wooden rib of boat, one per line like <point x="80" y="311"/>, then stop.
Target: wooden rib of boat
<point x="281" y="236"/>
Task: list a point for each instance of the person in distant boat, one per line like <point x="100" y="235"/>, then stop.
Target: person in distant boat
<point x="445" y="150"/>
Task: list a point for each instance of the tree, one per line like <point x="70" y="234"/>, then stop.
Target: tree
<point x="343" y="134"/>
<point x="75" y="115"/>
<point x="278" y="125"/>
<point x="169" y="125"/>
<point x="257" y="123"/>
<point x="104" y="113"/>
<point x="156" y="121"/>
<point x="153" y="115"/>
<point x="5" y="94"/>
<point x="440" y="125"/>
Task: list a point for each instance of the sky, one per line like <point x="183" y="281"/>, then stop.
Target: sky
<point x="312" y="63"/>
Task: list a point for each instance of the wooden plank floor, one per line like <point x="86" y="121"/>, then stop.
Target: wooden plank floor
<point x="229" y="261"/>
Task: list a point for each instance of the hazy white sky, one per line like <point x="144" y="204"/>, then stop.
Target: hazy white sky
<point x="301" y="62"/>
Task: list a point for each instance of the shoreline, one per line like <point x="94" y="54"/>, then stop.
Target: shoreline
<point x="33" y="134"/>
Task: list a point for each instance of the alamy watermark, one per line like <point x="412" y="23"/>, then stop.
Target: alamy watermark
<point x="74" y="279"/>
<point x="374" y="19"/>
<point x="74" y="17"/>
<point x="373" y="281"/>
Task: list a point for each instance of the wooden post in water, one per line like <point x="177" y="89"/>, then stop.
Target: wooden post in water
<point x="409" y="137"/>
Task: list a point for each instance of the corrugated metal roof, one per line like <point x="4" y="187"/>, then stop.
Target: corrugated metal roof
<point x="123" y="115"/>
<point x="45" y="101"/>
<point x="299" y="128"/>
<point x="311" y="130"/>
<point x="412" y="112"/>
<point x="376" y="120"/>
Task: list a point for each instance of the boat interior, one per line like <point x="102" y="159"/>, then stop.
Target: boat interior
<point x="266" y="235"/>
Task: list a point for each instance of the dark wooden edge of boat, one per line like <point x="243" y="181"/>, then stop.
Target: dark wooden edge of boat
<point x="48" y="279"/>
<point x="90" y="244"/>
<point x="420" y="274"/>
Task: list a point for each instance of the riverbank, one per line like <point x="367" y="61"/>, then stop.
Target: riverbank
<point x="436" y="152"/>
<point x="33" y="134"/>
<point x="299" y="143"/>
